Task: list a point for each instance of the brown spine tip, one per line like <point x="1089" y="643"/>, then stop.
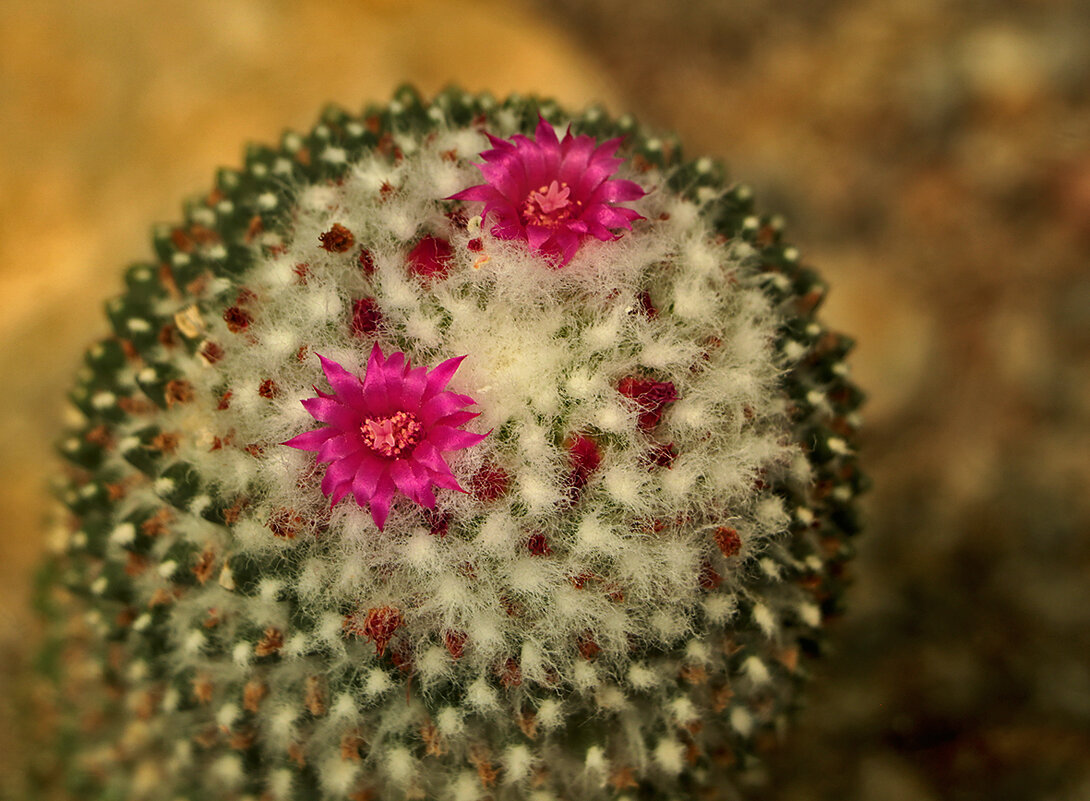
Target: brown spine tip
<point x="285" y="523"/>
<point x="237" y="319"/>
<point x="178" y="391"/>
<point x="269" y="389"/>
<point x="272" y="640"/>
<point x="455" y="642"/>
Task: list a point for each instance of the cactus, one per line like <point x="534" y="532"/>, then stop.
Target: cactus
<point x="399" y="478"/>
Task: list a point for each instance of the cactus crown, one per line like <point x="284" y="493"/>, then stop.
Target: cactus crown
<point x="591" y="574"/>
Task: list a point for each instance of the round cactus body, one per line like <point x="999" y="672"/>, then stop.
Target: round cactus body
<point x="458" y="450"/>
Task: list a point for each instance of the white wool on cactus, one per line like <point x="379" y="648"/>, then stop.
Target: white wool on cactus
<point x="530" y="487"/>
<point x="527" y="331"/>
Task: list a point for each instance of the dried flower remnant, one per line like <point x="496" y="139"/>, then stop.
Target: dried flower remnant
<point x="337" y="239"/>
<point x="430" y="258"/>
<point x="538" y="544"/>
<point x="177" y="391"/>
<point x="365" y="317"/>
<point x="272" y="640"/>
<point x="380" y="624"/>
<point x="268" y="389"/>
<point x="237" y="319"/>
<point x="455" y="641"/>
<point x="728" y="541"/>
<point x="553" y="193"/>
<point x="652" y="398"/>
<point x="661" y="455"/>
<point x="489" y="483"/>
<point x="285" y="524"/>
<point x="584" y="457"/>
<point x="386" y="434"/>
<point x="367" y="262"/>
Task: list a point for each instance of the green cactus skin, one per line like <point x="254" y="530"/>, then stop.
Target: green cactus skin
<point x="203" y="642"/>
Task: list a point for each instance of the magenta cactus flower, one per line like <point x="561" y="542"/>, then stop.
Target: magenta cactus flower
<point x="387" y="433"/>
<point x="552" y="192"/>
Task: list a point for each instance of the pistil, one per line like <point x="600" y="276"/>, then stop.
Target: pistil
<point x="550" y="206"/>
<point x="392" y="436"/>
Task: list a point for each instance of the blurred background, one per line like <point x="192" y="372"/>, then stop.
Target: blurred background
<point x="932" y="159"/>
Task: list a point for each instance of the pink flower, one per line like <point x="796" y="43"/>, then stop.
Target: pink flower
<point x="387" y="433"/>
<point x="553" y="193"/>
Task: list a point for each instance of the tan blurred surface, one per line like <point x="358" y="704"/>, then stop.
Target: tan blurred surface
<point x="112" y="113"/>
<point x="933" y="162"/>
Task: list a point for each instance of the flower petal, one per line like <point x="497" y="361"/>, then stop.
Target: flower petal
<point x="497" y="143"/>
<point x="441" y="405"/>
<point x="597" y="230"/>
<point x="426" y="497"/>
<point x="380" y="500"/>
<point x="340" y="472"/>
<point x="413" y="483"/>
<point x="576" y="160"/>
<point x="446" y="481"/>
<point x="441" y="375"/>
<point x="338" y="493"/>
<point x="370" y="470"/>
<point x="375" y="398"/>
<point x="510" y="230"/>
<point x="536" y="236"/>
<point x="412" y="389"/>
<point x="325" y="410"/>
<point x="456" y="419"/>
<point x="617" y="191"/>
<point x="395" y="367"/>
<point x="312" y="440"/>
<point x="598" y="172"/>
<point x="429" y="457"/>
<point x="481" y="193"/>
<point x="545" y="135"/>
<point x="339" y="447"/>
<point x="566" y="245"/>
<point x="445" y="438"/>
<point x="534" y="165"/>
<point x="508" y="188"/>
<point x="612" y="217"/>
<point x="347" y="386"/>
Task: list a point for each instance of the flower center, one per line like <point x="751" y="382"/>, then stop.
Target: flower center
<point x="550" y="206"/>
<point x="392" y="436"/>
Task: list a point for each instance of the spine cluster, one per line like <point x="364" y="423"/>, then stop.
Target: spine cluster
<point x="658" y="484"/>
